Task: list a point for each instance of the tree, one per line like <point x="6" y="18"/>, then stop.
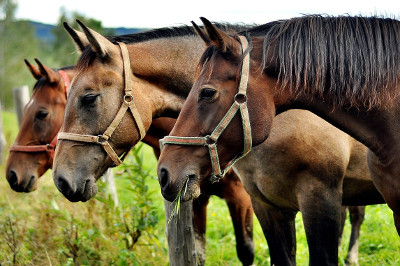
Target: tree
<point x="63" y="47"/>
<point x="17" y="42"/>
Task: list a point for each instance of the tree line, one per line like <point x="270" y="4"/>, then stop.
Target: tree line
<point x="18" y="41"/>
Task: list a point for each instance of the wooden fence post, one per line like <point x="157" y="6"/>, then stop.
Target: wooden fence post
<point x="180" y="235"/>
<point x="108" y="178"/>
<point x="21" y="98"/>
<point x="3" y="142"/>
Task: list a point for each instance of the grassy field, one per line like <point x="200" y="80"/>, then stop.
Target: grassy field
<point x="43" y="228"/>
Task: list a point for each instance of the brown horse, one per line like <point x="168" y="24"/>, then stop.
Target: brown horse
<point x="345" y="69"/>
<point x="32" y="153"/>
<point x="161" y="70"/>
<point x="43" y="117"/>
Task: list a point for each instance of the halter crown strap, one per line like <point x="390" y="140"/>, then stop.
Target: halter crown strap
<point x="127" y="104"/>
<point x="50" y="147"/>
<point x="67" y="81"/>
<point x="239" y="104"/>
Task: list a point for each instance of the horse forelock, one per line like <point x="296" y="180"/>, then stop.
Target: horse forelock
<point x="86" y="58"/>
<point x="345" y="60"/>
<point x="207" y="60"/>
<point x="39" y="84"/>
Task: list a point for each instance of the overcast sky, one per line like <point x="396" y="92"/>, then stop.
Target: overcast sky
<point x="154" y="14"/>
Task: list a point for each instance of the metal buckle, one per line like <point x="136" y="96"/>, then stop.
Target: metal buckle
<point x="209" y="140"/>
<point x="101" y="139"/>
<point x="216" y="178"/>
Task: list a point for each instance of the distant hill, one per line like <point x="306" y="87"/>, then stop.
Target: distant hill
<point x="44" y="31"/>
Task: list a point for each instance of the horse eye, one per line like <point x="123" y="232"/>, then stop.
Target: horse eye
<point x="89" y="99"/>
<point x="41" y="115"/>
<point x="207" y="94"/>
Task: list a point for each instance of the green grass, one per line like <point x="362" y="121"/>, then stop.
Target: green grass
<point x="44" y="222"/>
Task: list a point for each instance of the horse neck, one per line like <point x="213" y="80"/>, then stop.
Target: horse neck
<point x="360" y="123"/>
<point x="167" y="66"/>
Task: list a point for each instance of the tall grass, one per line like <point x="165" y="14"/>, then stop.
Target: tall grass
<point x="49" y="230"/>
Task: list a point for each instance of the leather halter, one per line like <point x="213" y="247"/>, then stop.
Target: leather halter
<point x="50" y="147"/>
<point x="127" y="104"/>
<point x="239" y="104"/>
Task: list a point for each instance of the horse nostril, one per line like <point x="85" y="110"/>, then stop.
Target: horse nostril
<point x="64" y="186"/>
<point x="12" y="178"/>
<point x="164" y="177"/>
<point x="31" y="184"/>
<point x="192" y="176"/>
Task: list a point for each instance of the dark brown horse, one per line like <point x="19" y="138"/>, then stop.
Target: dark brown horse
<point x="344" y="69"/>
<point x="36" y="142"/>
<point x="230" y="189"/>
<point x="160" y="70"/>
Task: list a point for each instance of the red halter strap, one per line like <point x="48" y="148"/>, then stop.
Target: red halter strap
<point x="50" y="147"/>
<point x="239" y="105"/>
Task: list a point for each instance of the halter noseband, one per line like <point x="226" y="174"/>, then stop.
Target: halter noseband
<point x="239" y="104"/>
<point x="128" y="103"/>
<point x="50" y="147"/>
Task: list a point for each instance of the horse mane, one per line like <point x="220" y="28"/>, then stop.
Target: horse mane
<point x="171" y="32"/>
<point x="88" y="55"/>
<point x="348" y="61"/>
<point x="65" y="68"/>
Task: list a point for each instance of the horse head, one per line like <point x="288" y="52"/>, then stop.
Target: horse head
<point x="105" y="116"/>
<point x="33" y="150"/>
<point x="213" y="129"/>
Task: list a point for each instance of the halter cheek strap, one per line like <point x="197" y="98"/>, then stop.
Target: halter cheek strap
<point x="239" y="105"/>
<point x="50" y="147"/>
<point x="127" y="104"/>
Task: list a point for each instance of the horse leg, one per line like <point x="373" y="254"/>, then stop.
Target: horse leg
<point x="199" y="224"/>
<point x="278" y="225"/>
<point x="356" y="218"/>
<point x="386" y="179"/>
<point x="343" y="215"/>
<point x="241" y="212"/>
<point x="321" y="218"/>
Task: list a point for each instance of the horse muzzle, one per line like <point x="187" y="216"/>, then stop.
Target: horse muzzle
<point x="184" y="189"/>
<point x="76" y="191"/>
<point x="21" y="184"/>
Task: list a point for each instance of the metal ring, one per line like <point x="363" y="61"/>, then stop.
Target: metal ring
<point x="100" y="139"/>
<point x="209" y="140"/>
<point x="240" y="98"/>
<point x="128" y="98"/>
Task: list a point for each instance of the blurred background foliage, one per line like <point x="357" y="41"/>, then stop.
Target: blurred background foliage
<point x="21" y="39"/>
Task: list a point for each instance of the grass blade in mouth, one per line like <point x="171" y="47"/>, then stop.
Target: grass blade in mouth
<point x="177" y="201"/>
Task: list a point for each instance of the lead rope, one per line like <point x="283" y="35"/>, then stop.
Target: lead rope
<point x="127" y="104"/>
<point x="239" y="104"/>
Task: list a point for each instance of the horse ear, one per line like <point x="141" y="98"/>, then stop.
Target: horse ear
<point x="201" y="33"/>
<point x="49" y="74"/>
<point x="99" y="44"/>
<point x="79" y="37"/>
<point x="219" y="38"/>
<point x="35" y="72"/>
